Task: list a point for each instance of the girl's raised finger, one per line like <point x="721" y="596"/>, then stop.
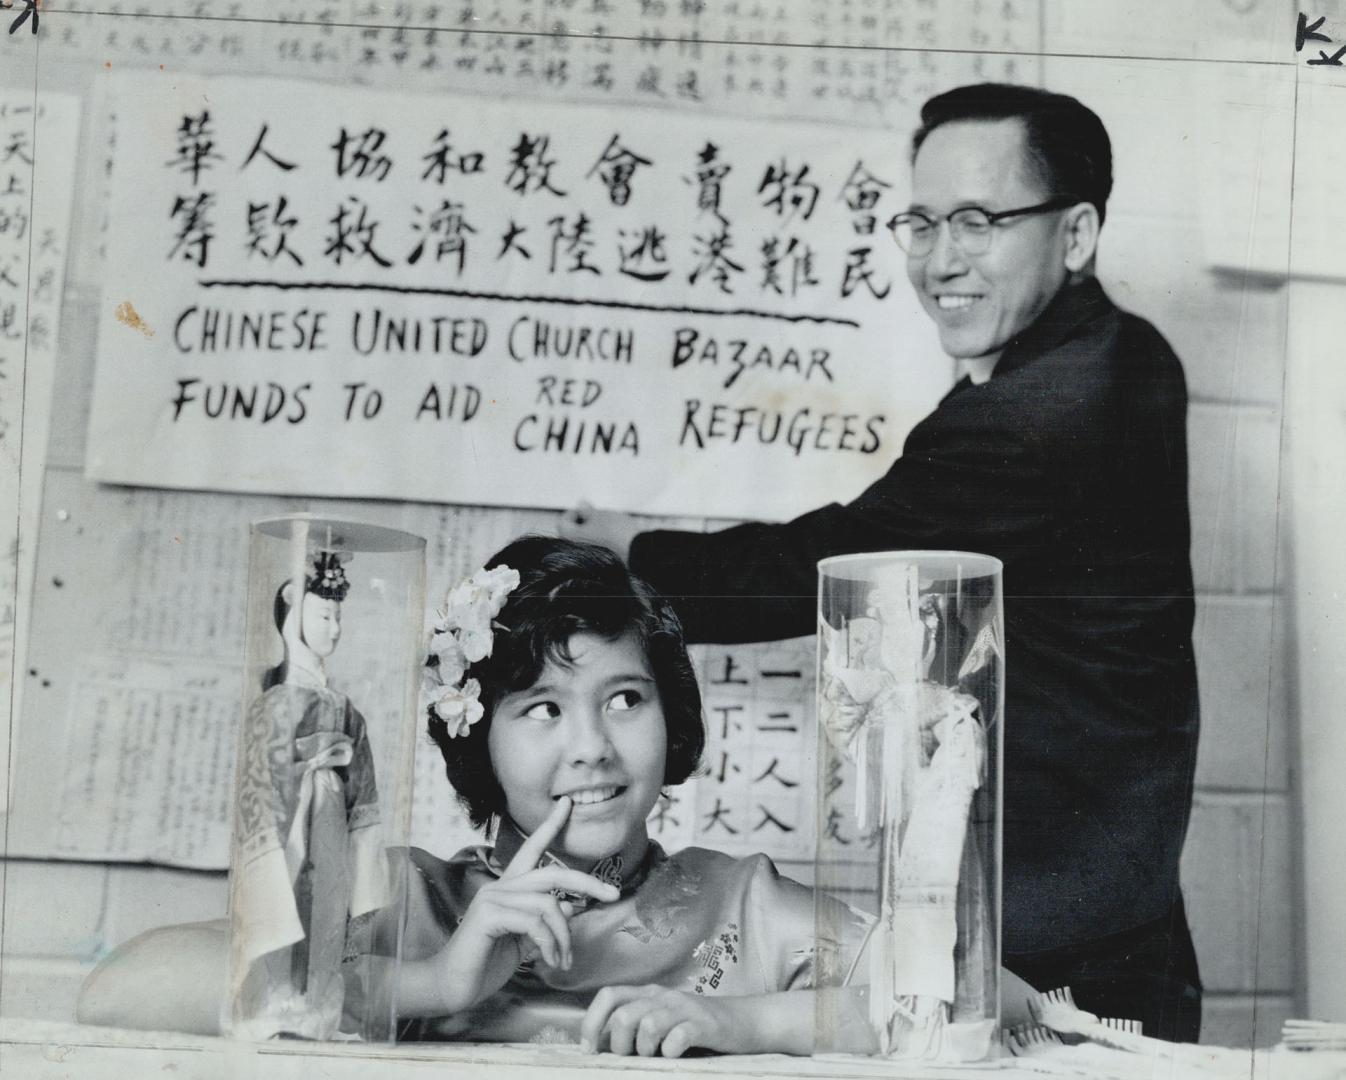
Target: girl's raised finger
<point x="532" y="850"/>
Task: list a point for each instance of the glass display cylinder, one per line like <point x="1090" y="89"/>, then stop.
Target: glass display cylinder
<point x="323" y="781"/>
<point x="910" y="698"/>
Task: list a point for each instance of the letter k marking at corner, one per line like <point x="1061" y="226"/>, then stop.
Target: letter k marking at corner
<point x="1304" y="33"/>
<point x="1331" y="61"/>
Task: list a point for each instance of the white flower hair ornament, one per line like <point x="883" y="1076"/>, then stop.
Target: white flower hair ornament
<point x="462" y="635"/>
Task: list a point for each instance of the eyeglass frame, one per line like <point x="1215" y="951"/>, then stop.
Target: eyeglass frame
<point x="993" y="217"/>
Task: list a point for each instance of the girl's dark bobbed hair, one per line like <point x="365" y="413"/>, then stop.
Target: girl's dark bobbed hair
<point x="566" y="588"/>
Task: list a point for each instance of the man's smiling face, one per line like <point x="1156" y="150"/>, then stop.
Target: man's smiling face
<point x="980" y="302"/>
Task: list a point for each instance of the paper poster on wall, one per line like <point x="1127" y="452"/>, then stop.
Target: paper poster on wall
<point x="35" y="198"/>
<point x="501" y="303"/>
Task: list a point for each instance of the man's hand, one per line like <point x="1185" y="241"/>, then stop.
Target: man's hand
<point x="611" y="528"/>
<point x="653" y="1020"/>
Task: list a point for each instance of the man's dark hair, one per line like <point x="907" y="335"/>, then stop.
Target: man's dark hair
<point x="1067" y="143"/>
<point x="566" y="588"/>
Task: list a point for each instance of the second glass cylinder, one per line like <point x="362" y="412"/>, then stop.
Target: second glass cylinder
<point x="911" y="665"/>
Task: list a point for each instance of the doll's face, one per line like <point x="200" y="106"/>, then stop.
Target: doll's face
<point x="320" y="624"/>
<point x="932" y="611"/>
<point x="594" y="730"/>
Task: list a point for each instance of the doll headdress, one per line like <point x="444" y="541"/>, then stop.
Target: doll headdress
<point x="327" y="577"/>
<point x="463" y="634"/>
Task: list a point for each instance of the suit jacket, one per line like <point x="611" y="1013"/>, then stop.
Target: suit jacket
<point x="1070" y="465"/>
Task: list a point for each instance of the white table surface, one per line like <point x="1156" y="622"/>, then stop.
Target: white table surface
<point x="44" y="1050"/>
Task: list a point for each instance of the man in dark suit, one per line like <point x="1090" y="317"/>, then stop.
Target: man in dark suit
<point x="1063" y="453"/>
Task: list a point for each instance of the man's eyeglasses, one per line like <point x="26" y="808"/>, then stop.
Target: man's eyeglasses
<point x="970" y="227"/>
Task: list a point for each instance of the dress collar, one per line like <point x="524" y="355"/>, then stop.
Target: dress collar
<point x="302" y="674"/>
<point x="611" y="868"/>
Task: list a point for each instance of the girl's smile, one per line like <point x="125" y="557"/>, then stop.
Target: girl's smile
<point x="593" y="796"/>
<point x="591" y="729"/>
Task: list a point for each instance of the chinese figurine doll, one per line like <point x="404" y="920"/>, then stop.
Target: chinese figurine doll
<point x="307" y="859"/>
<point x="909" y="696"/>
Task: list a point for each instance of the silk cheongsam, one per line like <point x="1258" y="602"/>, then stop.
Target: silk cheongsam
<point x="698" y="921"/>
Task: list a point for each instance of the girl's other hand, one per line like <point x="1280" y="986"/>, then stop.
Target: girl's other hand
<point x="515" y="919"/>
<point x="653" y="1020"/>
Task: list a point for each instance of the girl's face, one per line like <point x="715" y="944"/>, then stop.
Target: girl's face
<point x="593" y="730"/>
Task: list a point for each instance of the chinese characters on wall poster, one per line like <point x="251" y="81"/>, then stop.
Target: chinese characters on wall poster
<point x="17" y="331"/>
<point x="16" y="179"/>
<point x="34" y="209"/>
<point x="700" y="321"/>
<point x="35" y="197"/>
<point x="866" y="61"/>
<point x="756" y="793"/>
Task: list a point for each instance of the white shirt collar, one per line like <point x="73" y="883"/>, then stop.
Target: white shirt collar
<point x="979" y="368"/>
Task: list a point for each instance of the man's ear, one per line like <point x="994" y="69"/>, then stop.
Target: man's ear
<point x="287" y="592"/>
<point x="1081" y="231"/>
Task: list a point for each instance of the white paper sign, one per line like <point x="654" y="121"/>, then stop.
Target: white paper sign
<point x="503" y="303"/>
<point x="35" y="195"/>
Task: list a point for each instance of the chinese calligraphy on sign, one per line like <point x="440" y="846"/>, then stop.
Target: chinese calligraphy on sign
<point x="32" y="258"/>
<point x="35" y="196"/>
<point x="699" y="322"/>
<point x="29" y="14"/>
<point x="756" y="792"/>
<point x="867" y="60"/>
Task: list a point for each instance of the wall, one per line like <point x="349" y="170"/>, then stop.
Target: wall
<point x="1240" y="865"/>
<point x="1315" y="456"/>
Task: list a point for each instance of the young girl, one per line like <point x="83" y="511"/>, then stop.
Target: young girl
<point x="575" y="925"/>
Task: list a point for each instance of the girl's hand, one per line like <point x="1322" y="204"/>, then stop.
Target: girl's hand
<point x="653" y="1020"/>
<point x="515" y="919"/>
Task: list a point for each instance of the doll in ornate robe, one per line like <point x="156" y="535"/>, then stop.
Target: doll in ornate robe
<point x="920" y="756"/>
<point x="307" y="857"/>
